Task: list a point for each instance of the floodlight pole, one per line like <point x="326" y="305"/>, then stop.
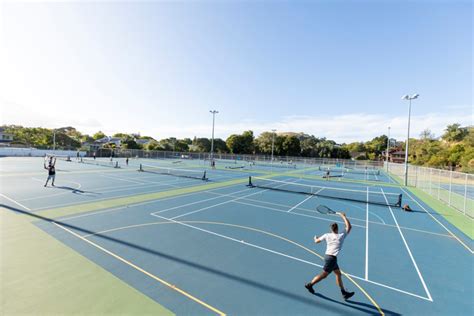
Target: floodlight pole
<point x="407" y="97"/>
<point x="214" y="112"/>
<point x="54" y="140"/>
<point x="273" y="141"/>
<point x="388" y="146"/>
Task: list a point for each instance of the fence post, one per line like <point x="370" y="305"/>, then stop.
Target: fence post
<point x="416" y="176"/>
<point x="465" y="195"/>
<point x="439" y="182"/>
<point x="450" y="184"/>
<point x="431" y="183"/>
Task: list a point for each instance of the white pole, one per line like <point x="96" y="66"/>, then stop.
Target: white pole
<point x="465" y="196"/>
<point x="388" y="146"/>
<point x="406" y="145"/>
<point x="214" y="112"/>
<point x="450" y="185"/>
<point x="273" y="142"/>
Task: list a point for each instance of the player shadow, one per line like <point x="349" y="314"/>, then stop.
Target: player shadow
<point x="301" y="298"/>
<point x="367" y="308"/>
<point x="74" y="190"/>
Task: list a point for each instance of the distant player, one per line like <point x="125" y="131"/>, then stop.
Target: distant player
<point x="93" y="155"/>
<point x="328" y="173"/>
<point x="407" y="208"/>
<point x="78" y="155"/>
<point x="126" y="161"/>
<point x="51" y="171"/>
<point x="334" y="242"/>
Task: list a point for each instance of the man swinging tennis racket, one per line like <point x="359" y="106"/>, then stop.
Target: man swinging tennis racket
<point x="334" y="242"/>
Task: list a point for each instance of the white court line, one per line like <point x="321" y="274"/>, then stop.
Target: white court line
<point x="50" y="195"/>
<point x="367" y="238"/>
<point x="120" y="179"/>
<point x="408" y="249"/>
<point x="282" y="254"/>
<point x="17" y="203"/>
<point x="434" y="218"/>
<point x="291" y="209"/>
<point x="197" y="202"/>
<point x="122" y="188"/>
<point x="142" y="203"/>
<point x="236" y="199"/>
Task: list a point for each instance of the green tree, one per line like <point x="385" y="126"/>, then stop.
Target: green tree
<point x="455" y="133"/>
<point x="98" y="135"/>
<point x="291" y="146"/>
<point x="220" y="146"/>
<point x="241" y="144"/>
<point x="202" y="144"/>
<point x="128" y="142"/>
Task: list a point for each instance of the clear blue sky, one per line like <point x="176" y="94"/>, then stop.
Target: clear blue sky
<point x="335" y="69"/>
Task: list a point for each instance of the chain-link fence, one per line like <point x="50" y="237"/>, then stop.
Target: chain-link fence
<point x="456" y="189"/>
<point x="303" y="161"/>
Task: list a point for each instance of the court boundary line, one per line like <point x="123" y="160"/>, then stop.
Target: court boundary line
<point x="92" y="213"/>
<point x="229" y="201"/>
<point x="409" y="251"/>
<point x="434" y="218"/>
<point x="121" y="188"/>
<point x="367" y="238"/>
<point x="129" y="263"/>
<point x="309" y="197"/>
<point x="196" y="202"/>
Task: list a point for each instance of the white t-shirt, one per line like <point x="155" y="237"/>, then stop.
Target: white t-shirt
<point x="334" y="242"/>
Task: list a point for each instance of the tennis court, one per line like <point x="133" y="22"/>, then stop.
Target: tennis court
<point x="219" y="246"/>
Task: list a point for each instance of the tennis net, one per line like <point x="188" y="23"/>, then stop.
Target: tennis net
<point x="365" y="196"/>
<point x="59" y="157"/>
<point x="276" y="164"/>
<point x="185" y="173"/>
<point x="364" y="171"/>
<point x="98" y="162"/>
<point x="347" y="170"/>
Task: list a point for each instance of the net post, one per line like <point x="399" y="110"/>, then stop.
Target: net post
<point x="204" y="176"/>
<point x="116" y="165"/>
<point x="399" y="203"/>
<point x="141" y="168"/>
<point x="250" y="185"/>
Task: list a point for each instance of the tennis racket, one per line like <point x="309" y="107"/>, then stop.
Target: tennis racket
<point x="323" y="209"/>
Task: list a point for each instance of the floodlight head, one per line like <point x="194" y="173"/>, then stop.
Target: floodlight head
<point x="406" y="97"/>
<point x="415" y="96"/>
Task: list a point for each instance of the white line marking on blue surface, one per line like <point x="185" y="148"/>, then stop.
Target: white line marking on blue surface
<point x="409" y="251"/>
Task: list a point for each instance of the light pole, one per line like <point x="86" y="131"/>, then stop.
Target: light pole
<point x="214" y="112"/>
<point x="408" y="98"/>
<point x="273" y="142"/>
<point x="54" y="140"/>
<point x="388" y="146"/>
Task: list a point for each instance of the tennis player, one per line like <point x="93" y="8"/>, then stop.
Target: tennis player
<point x="334" y="241"/>
<point x="51" y="171"/>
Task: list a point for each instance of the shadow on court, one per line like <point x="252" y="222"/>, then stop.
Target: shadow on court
<point x="368" y="309"/>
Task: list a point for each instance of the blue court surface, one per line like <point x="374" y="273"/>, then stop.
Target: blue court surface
<point x="220" y="247"/>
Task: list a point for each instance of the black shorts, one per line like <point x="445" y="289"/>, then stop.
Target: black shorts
<point x="330" y="263"/>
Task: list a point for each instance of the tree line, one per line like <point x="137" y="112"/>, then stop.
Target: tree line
<point x="453" y="150"/>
